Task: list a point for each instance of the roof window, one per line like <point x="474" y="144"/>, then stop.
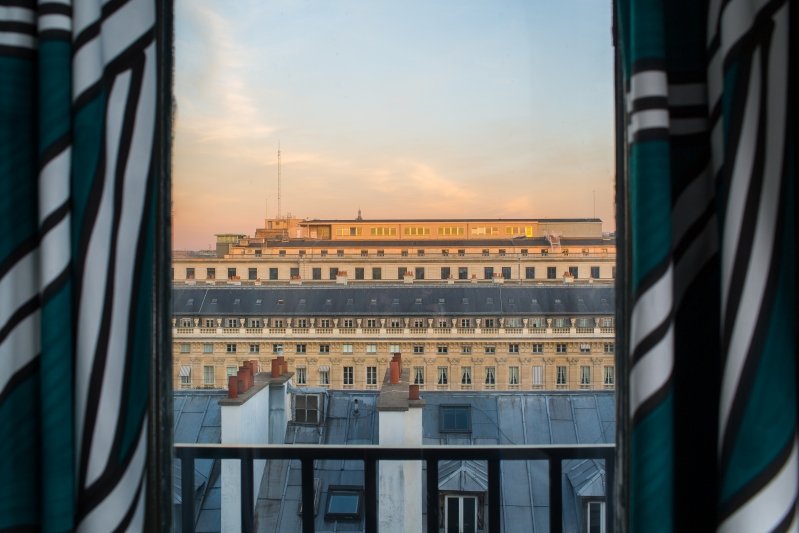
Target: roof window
<point x="455" y="419"/>
<point x="344" y="502"/>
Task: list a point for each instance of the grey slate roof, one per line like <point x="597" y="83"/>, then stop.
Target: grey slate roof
<point x="277" y="508"/>
<point x="197" y="419"/>
<point x="497" y="418"/>
<point x="418" y="300"/>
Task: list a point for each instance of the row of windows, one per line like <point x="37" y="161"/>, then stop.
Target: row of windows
<point x="396" y="323"/>
<point x="466" y="378"/>
<point x="446" y="272"/>
<point x="462" y="252"/>
<point x="442" y="375"/>
<point x="538" y="347"/>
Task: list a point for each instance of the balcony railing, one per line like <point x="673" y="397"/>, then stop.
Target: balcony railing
<point x="439" y="331"/>
<point x="372" y="454"/>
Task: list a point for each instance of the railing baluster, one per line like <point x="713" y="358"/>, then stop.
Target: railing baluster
<point x="187" y="490"/>
<point x="370" y="492"/>
<point x="610" y="488"/>
<point x="494" y="496"/>
<point x="555" y="494"/>
<point x="307" y="495"/>
<point x="247" y="507"/>
<point x="432" y="495"/>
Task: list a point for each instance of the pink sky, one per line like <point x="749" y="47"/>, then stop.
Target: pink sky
<point x="376" y="110"/>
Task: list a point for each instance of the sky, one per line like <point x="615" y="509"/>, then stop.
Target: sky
<point x="403" y="109"/>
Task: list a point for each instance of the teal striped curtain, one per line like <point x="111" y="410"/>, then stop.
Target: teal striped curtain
<point x="77" y="122"/>
<point x="710" y="194"/>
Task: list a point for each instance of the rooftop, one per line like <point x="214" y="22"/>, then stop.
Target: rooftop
<point x="367" y="300"/>
<point x="504" y="418"/>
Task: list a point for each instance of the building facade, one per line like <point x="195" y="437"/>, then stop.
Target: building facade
<point x="406" y="251"/>
<point x="452" y="337"/>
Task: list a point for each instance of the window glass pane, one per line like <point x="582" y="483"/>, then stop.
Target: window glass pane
<point x="469" y="515"/>
<point x="453" y="515"/>
<point x="343" y="503"/>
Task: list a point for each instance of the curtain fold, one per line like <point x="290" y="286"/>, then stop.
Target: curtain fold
<point x="711" y="229"/>
<point x="77" y="214"/>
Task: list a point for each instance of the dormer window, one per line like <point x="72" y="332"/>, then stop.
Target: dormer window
<point x="460" y="514"/>
<point x="455" y="419"/>
<point x="307" y="409"/>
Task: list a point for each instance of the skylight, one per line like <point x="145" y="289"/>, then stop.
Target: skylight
<point x="344" y="502"/>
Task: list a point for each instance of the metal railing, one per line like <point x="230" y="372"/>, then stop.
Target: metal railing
<point x="372" y="454"/>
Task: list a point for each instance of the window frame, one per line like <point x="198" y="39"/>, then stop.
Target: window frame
<point x="445" y="414"/>
<point x="160" y="394"/>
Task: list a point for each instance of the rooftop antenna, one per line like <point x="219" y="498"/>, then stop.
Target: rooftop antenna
<point x="279" y="176"/>
<point x="594" y="191"/>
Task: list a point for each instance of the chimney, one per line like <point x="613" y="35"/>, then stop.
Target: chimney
<point x="395" y="372"/>
<point x="400" y="424"/>
<point x="413" y="392"/>
<point x="253" y="413"/>
<point x="277" y="368"/>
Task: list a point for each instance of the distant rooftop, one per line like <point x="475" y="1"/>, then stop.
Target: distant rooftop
<point x="415" y="220"/>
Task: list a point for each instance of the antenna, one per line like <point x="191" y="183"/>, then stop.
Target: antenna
<point x="279" y="176"/>
<point x="594" y="191"/>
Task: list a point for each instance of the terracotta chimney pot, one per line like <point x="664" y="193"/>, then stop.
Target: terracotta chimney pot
<point x="413" y="392"/>
<point x="395" y="372"/>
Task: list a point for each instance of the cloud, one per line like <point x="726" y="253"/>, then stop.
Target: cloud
<point x="216" y="100"/>
<point x="422" y="183"/>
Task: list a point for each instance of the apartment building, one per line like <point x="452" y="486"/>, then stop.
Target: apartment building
<point x="451" y="337"/>
<point x="406" y="251"/>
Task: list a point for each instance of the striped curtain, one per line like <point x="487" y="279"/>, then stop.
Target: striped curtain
<point x="710" y="202"/>
<point x="77" y="122"/>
